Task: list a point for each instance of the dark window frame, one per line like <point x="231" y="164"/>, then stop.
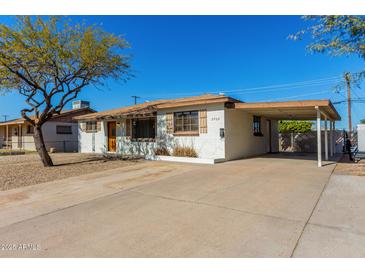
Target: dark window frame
<point x="257" y="126"/>
<point x="93" y="128"/>
<point x="144" y="129"/>
<point x="186" y="122"/>
<point x="63" y="132"/>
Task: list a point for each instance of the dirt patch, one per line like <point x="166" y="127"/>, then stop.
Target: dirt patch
<point x="345" y="167"/>
<point x="24" y="170"/>
<point x="13" y="197"/>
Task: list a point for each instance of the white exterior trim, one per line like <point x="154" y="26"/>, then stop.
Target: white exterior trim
<point x="189" y="160"/>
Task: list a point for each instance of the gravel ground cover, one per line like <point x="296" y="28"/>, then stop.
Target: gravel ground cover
<point x="345" y="167"/>
<point x="24" y="170"/>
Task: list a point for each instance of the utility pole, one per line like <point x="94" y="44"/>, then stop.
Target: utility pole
<point x="348" y="82"/>
<point x="135" y="98"/>
<point x="5" y="117"/>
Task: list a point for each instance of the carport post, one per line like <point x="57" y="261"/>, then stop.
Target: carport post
<point x="334" y="138"/>
<point x="325" y="139"/>
<point x="331" y="138"/>
<point x="319" y="144"/>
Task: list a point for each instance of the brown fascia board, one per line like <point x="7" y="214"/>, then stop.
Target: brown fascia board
<point x="62" y="114"/>
<point x="153" y="108"/>
<point x="197" y="102"/>
<point x="304" y="103"/>
<point x="325" y="106"/>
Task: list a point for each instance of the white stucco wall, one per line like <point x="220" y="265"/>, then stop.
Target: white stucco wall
<point x="240" y="141"/>
<point x="208" y="145"/>
<point x="92" y="142"/>
<point x="61" y="142"/>
<point x="96" y="142"/>
<point x="361" y="137"/>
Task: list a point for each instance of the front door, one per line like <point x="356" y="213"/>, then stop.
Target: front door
<point x="112" y="137"/>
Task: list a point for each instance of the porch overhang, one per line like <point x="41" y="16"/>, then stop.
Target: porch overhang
<point x="12" y="123"/>
<point x="292" y="110"/>
<point x="113" y="117"/>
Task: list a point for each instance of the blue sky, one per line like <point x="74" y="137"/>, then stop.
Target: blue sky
<point x="179" y="56"/>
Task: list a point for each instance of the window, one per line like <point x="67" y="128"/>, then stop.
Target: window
<point x="91" y="126"/>
<point x="64" y="129"/>
<point x="257" y="126"/>
<point x="186" y="122"/>
<point x="30" y="129"/>
<point x="144" y="128"/>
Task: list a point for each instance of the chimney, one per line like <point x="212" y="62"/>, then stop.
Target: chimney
<point x="80" y="104"/>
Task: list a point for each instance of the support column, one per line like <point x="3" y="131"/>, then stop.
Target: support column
<point x="325" y="139"/>
<point x="331" y="138"/>
<point x="319" y="144"/>
<point x="334" y="138"/>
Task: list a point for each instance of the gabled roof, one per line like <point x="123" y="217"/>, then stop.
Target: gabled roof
<point x="150" y="107"/>
<point x="72" y="112"/>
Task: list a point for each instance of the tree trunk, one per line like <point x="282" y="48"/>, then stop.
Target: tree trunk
<point x="41" y="147"/>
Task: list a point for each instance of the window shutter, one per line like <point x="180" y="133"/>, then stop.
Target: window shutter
<point x="98" y="126"/>
<point x="169" y="123"/>
<point x="203" y="126"/>
<point x="83" y="126"/>
<point x="128" y="127"/>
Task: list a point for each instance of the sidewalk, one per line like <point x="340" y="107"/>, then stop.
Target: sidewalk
<point x="337" y="226"/>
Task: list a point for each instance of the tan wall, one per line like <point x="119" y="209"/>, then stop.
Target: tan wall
<point x="239" y="138"/>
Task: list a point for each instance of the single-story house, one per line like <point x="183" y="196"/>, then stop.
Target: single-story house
<point x="217" y="127"/>
<point x="59" y="133"/>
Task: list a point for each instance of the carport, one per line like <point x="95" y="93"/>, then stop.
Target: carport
<point x="318" y="110"/>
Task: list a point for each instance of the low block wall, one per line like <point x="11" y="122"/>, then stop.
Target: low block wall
<point x="307" y="142"/>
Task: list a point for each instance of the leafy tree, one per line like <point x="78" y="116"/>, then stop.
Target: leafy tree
<point x="50" y="60"/>
<point x="362" y="121"/>
<point x="336" y="35"/>
<point x="292" y="126"/>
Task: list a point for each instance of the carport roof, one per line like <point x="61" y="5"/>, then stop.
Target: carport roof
<point x="291" y="110"/>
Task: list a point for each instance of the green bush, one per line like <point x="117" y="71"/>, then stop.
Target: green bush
<point x="295" y="126"/>
<point x="362" y="121"/>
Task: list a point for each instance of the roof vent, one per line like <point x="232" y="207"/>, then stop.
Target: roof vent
<point x="80" y="104"/>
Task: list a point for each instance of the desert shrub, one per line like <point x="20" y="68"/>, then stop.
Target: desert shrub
<point x="162" y="151"/>
<point x="183" y="151"/>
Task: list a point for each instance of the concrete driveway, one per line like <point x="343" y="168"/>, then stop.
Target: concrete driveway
<point x="247" y="208"/>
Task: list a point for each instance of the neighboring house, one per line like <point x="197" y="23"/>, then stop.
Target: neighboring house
<point x="60" y="133"/>
<point x="218" y="127"/>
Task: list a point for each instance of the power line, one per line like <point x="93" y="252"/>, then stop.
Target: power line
<point x="270" y="88"/>
<point x="288" y="85"/>
<point x="297" y="96"/>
